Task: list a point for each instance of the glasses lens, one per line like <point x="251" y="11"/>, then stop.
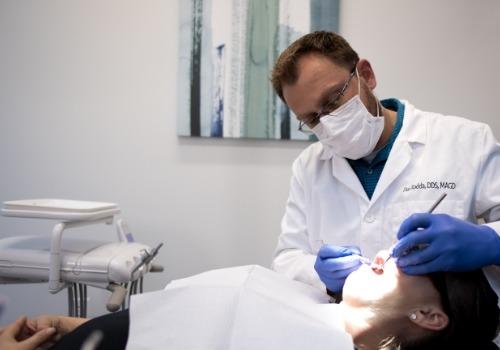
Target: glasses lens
<point x="305" y="129"/>
<point x="333" y="105"/>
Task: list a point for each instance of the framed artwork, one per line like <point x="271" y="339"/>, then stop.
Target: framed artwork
<point x="227" y="51"/>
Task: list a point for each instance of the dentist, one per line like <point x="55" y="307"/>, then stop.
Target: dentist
<point x="377" y="168"/>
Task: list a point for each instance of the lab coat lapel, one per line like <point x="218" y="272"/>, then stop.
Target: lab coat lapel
<point x="398" y="160"/>
<point x="414" y="131"/>
<point x="344" y="173"/>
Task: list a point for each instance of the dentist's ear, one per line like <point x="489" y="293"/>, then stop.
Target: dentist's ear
<point x="366" y="72"/>
<point x="432" y="318"/>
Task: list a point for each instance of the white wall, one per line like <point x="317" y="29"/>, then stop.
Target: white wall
<point x="441" y="55"/>
<point x="88" y="111"/>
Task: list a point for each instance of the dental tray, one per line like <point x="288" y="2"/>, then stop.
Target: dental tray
<point x="59" y="209"/>
<point x="26" y="259"/>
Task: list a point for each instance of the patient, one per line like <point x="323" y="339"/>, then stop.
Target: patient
<point x="381" y="309"/>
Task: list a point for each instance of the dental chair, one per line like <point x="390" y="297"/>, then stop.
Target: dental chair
<point x="73" y="263"/>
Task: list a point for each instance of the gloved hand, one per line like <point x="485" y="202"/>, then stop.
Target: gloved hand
<point x="448" y="244"/>
<point x="335" y="263"/>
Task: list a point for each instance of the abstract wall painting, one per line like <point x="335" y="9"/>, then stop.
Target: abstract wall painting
<point x="227" y="51"/>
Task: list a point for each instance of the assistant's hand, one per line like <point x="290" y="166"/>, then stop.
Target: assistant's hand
<point x="449" y="244"/>
<point x="9" y="336"/>
<point x="335" y="263"/>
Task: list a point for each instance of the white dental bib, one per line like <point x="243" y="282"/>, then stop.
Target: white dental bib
<point x="247" y="307"/>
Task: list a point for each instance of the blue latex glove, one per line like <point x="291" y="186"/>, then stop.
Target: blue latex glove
<point x="335" y="263"/>
<point x="448" y="244"/>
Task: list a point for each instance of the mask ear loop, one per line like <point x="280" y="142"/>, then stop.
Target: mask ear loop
<point x="359" y="93"/>
<point x="359" y="82"/>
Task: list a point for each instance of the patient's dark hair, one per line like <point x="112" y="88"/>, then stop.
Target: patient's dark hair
<point x="471" y="306"/>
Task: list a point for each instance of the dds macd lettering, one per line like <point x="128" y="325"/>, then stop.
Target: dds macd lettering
<point x="431" y="184"/>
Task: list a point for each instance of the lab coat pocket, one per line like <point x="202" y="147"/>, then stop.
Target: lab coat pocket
<point x="401" y="211"/>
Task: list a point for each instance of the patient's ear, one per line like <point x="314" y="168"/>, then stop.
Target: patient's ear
<point x="432" y="318"/>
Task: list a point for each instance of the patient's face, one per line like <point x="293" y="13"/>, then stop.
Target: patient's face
<point x="378" y="303"/>
<point x="385" y="288"/>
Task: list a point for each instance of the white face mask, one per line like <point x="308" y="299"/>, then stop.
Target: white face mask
<point x="350" y="131"/>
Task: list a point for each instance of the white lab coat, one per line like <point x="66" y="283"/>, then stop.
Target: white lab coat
<point x="432" y="154"/>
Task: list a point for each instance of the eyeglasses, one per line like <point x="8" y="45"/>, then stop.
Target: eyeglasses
<point x="329" y="107"/>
